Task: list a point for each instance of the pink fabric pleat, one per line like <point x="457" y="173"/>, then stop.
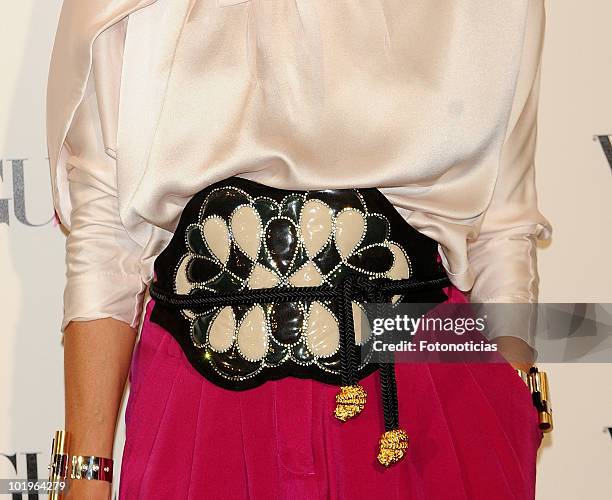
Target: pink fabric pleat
<point x="473" y="431"/>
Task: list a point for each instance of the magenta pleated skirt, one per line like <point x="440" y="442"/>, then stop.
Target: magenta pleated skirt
<point x="473" y="434"/>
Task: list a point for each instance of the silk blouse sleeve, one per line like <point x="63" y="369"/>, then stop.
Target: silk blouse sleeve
<point x="102" y="261"/>
<point x="503" y="257"/>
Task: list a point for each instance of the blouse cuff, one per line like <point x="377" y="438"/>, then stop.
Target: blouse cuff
<point x="511" y="316"/>
<point x="104" y="295"/>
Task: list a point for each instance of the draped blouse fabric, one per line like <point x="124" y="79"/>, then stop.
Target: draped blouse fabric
<point x="432" y="102"/>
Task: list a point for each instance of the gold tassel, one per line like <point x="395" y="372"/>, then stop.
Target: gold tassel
<point x="350" y="401"/>
<point x="393" y="445"/>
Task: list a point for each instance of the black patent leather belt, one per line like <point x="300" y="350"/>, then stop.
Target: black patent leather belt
<point x="260" y="283"/>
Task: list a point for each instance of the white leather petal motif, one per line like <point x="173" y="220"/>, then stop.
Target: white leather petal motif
<point x="362" y="326"/>
<point x="307" y="275"/>
<point x="246" y="230"/>
<point x="350" y="226"/>
<point x="322" y="333"/>
<point x="182" y="285"/>
<point x="221" y="333"/>
<point x="315" y="226"/>
<point x="253" y="335"/>
<point x="401" y="268"/>
<point x="217" y="237"/>
<point x="262" y="278"/>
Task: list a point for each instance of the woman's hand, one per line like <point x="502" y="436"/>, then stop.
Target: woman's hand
<point x="97" y="358"/>
<point x="518" y="352"/>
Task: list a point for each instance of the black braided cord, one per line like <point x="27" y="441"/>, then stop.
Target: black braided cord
<point x="388" y="389"/>
<point x="290" y="294"/>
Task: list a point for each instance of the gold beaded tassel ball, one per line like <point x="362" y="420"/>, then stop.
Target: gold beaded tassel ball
<point x="393" y="446"/>
<point x="350" y="401"/>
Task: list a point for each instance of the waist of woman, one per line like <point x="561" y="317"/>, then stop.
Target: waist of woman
<point x="260" y="283"/>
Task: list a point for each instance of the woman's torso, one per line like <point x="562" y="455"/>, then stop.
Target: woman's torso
<point x="411" y="97"/>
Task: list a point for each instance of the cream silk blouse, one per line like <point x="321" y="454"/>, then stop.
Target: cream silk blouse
<point x="433" y="102"/>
